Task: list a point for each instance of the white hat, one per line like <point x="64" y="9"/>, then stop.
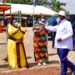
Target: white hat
<point x="62" y="13"/>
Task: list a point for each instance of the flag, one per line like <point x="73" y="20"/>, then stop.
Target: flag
<point x="34" y="3"/>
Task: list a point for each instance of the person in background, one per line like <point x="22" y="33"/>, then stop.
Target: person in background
<point x="15" y="47"/>
<point x="63" y="42"/>
<point x="6" y="21"/>
<point x="43" y="19"/>
<point x="40" y="44"/>
<point x="37" y="21"/>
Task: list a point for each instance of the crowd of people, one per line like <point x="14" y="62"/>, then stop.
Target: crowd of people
<point x="63" y="42"/>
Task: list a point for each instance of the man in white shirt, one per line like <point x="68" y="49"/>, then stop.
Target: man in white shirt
<point x="63" y="42"/>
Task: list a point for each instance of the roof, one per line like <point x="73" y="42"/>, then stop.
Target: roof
<point x="28" y="9"/>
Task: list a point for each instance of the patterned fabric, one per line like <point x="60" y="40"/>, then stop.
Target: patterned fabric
<point x="40" y="45"/>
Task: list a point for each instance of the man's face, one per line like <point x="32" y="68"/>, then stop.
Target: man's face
<point x="61" y="17"/>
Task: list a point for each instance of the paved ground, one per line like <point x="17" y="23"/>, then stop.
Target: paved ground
<point x="28" y="42"/>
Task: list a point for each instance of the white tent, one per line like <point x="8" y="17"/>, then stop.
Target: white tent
<point x="28" y="9"/>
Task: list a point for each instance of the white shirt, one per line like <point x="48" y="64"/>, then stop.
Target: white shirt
<point x="63" y="31"/>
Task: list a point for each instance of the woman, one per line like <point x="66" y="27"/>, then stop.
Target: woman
<point x="16" y="51"/>
<point x="40" y="44"/>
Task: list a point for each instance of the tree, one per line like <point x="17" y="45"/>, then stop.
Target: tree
<point x="56" y="5"/>
<point x="12" y="1"/>
<point x="19" y="1"/>
<point x="39" y="2"/>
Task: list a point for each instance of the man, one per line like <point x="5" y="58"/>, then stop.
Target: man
<point x="63" y="42"/>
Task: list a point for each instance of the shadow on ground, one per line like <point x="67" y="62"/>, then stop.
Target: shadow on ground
<point x="30" y="64"/>
<point x="52" y="54"/>
<point x="4" y="66"/>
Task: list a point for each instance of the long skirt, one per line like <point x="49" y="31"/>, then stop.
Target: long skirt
<point x="16" y="54"/>
<point x="40" y="48"/>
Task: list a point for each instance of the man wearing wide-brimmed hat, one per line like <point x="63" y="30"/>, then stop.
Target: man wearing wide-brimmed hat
<point x="63" y="42"/>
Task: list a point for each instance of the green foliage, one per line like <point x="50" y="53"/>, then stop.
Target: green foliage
<point x="12" y="1"/>
<point x="56" y="5"/>
<point x="39" y="2"/>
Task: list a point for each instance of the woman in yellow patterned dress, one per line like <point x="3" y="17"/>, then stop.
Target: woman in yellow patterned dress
<point x="16" y="51"/>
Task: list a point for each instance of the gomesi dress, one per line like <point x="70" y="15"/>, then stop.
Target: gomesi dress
<point x="16" y="50"/>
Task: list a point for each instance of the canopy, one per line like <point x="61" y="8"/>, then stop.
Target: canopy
<point x="30" y="9"/>
<point x="4" y="7"/>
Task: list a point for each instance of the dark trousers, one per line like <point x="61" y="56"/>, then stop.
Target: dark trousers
<point x="65" y="63"/>
<point x="53" y="38"/>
